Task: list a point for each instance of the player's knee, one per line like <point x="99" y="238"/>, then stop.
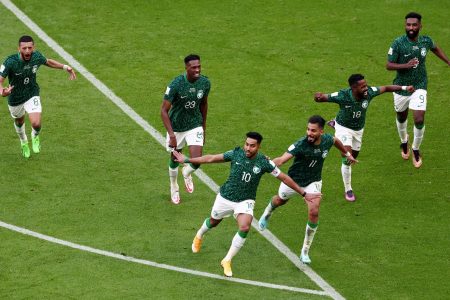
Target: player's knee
<point x="277" y="201"/>
<point x="244" y="227"/>
<point x="418" y="123"/>
<point x="314" y="213"/>
<point x="214" y="222"/>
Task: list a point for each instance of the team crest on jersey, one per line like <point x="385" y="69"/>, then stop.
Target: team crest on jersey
<point x="34" y="69"/>
<point x="325" y="153"/>
<point x="200" y="94"/>
<point x="423" y="52"/>
<point x="365" y="104"/>
<point x="256" y="169"/>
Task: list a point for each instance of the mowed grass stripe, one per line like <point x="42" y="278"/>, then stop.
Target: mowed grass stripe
<point x="152" y="131"/>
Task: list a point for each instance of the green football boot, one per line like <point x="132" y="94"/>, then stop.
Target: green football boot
<point x="26" y="150"/>
<point x="36" y="143"/>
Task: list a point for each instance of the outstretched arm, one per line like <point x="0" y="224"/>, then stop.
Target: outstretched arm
<point x="439" y="53"/>
<point x="393" y="88"/>
<point x="57" y="65"/>
<point x="282" y="159"/>
<point x="320" y="97"/>
<point x="338" y="144"/>
<point x="291" y="183"/>
<point x="205" y="159"/>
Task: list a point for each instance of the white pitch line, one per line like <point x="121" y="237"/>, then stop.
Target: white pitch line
<point x="159" y="138"/>
<point x="155" y="264"/>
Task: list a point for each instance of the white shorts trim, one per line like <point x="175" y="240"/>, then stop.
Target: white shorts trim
<point x="224" y="208"/>
<point x="33" y="105"/>
<point x="193" y="137"/>
<point x="415" y="101"/>
<point x="349" y="137"/>
<point x="285" y="192"/>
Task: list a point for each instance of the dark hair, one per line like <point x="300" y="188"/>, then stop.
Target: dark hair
<point x="414" y="15"/>
<point x="316" y="119"/>
<point x="255" y="135"/>
<point x="25" y="39"/>
<point x="190" y="57"/>
<point x="354" y="78"/>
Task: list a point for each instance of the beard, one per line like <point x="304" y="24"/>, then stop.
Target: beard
<point x="412" y="34"/>
<point x="311" y="140"/>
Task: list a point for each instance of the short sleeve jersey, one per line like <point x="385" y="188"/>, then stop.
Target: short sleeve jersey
<point x="186" y="98"/>
<point x="403" y="50"/>
<point x="352" y="112"/>
<point x="22" y="75"/>
<point x="245" y="174"/>
<point x="308" y="159"/>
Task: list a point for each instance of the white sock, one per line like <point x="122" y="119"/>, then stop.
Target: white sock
<point x="173" y="175"/>
<point x="418" y="137"/>
<point x="402" y="130"/>
<point x="236" y="245"/>
<point x="268" y="211"/>
<point x="34" y="132"/>
<point x="21" y="133"/>
<point x="309" y="236"/>
<point x="203" y="229"/>
<point x="188" y="170"/>
<point x="347" y="176"/>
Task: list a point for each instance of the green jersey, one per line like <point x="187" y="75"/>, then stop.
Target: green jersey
<point x="186" y="98"/>
<point x="352" y="112"/>
<point x="245" y="174"/>
<point x="308" y="159"/>
<point x="403" y="50"/>
<point x="22" y="75"/>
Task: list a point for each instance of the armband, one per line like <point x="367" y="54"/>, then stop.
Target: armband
<point x="404" y="87"/>
<point x="186" y="160"/>
<point x="65" y="67"/>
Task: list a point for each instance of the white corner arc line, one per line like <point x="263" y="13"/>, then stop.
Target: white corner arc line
<point x="155" y="264"/>
<point x="159" y="138"/>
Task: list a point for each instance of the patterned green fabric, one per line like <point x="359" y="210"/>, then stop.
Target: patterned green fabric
<point x="186" y="98"/>
<point x="308" y="159"/>
<point x="403" y="50"/>
<point x="352" y="112"/>
<point x="22" y="75"/>
<point x="245" y="175"/>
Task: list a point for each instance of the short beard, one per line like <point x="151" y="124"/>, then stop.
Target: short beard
<point x="413" y="35"/>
